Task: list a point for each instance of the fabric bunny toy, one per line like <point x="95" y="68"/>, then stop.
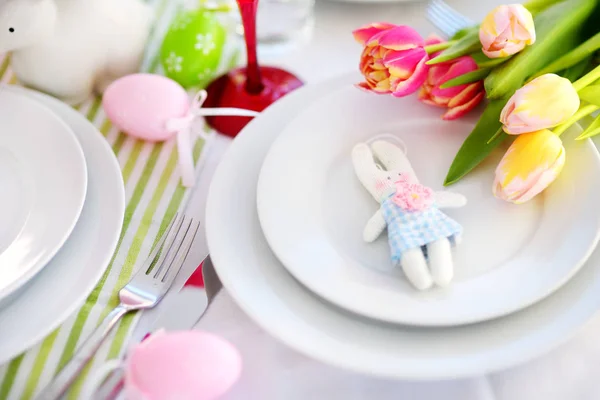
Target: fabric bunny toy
<point x="69" y="48"/>
<point x="419" y="234"/>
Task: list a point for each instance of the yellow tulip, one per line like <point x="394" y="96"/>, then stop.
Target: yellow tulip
<point x="530" y="165"/>
<point x="545" y="102"/>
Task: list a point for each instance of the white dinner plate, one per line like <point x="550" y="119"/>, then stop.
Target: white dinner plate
<point x="282" y="306"/>
<point x="43" y="183"/>
<point x="60" y="288"/>
<point x="376" y="1"/>
<point x="313" y="211"/>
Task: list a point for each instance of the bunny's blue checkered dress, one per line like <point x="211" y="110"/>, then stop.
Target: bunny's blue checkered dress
<point x="412" y="229"/>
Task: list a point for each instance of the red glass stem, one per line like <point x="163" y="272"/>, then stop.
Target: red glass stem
<point x="248" y="8"/>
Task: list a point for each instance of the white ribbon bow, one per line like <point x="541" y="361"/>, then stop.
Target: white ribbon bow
<point x="182" y="126"/>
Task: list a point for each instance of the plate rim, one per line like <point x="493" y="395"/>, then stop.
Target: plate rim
<point x="10" y="290"/>
<point x="99" y="265"/>
<point x="580" y="308"/>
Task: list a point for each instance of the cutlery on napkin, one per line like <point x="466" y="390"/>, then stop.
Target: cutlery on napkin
<point x="145" y="290"/>
<point x="181" y="310"/>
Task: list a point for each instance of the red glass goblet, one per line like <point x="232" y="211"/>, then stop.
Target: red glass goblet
<point x="252" y="87"/>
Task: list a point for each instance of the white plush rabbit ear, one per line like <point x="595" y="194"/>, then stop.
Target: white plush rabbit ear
<point x="392" y="157"/>
<point x="367" y="171"/>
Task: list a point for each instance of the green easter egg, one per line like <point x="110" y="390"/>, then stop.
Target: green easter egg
<point x="192" y="49"/>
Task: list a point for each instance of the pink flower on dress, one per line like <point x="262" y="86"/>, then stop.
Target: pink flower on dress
<point x="412" y="196"/>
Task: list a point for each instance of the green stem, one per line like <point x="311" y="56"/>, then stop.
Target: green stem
<point x="587" y="79"/>
<point x="469" y="77"/>
<point x="582" y="112"/>
<point x="573" y="57"/>
<point x="434" y="48"/>
<point x="498" y="133"/>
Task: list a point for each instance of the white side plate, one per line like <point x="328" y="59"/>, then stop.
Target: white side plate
<point x="69" y="278"/>
<point x="43" y="181"/>
<point x="284" y="308"/>
<point x="313" y="211"/>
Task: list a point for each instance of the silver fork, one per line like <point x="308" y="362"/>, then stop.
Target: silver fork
<point x="445" y="18"/>
<point x="145" y="290"/>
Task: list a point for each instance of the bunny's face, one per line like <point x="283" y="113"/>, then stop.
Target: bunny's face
<point x="25" y="22"/>
<point x="381" y="182"/>
<point x="385" y="183"/>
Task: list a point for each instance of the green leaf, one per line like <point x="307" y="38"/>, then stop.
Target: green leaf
<point x="591" y="130"/>
<point x="536" y="6"/>
<point x="590" y="94"/>
<point x="573" y="57"/>
<point x="577" y="71"/>
<point x="464" y="32"/>
<point x="476" y="147"/>
<point x="558" y="29"/>
<point x="466" y="45"/>
<point x="484" y="61"/>
<point x="434" y="48"/>
<point x="469" y="77"/>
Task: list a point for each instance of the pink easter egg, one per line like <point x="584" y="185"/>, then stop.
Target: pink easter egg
<point x="140" y="105"/>
<point x="192" y="365"/>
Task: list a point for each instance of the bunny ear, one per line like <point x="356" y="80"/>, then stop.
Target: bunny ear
<point x="389" y="137"/>
<point x="367" y="171"/>
<point x="392" y="157"/>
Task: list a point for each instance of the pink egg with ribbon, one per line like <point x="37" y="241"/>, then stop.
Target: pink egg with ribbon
<point x="155" y="108"/>
<point x="192" y="365"/>
<point x="140" y="105"/>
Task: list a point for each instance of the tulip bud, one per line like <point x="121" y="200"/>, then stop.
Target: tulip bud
<point x="545" y="102"/>
<point x="530" y="165"/>
<point x="393" y="59"/>
<point x="458" y="100"/>
<point x="506" y="31"/>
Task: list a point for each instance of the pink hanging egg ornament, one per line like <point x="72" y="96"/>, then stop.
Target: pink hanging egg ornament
<point x="155" y="108"/>
<point x="140" y="104"/>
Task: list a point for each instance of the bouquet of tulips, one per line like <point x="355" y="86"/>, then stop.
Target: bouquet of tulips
<point x="533" y="65"/>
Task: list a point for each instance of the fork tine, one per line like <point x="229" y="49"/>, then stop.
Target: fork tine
<point x="182" y="253"/>
<point x="439" y="20"/>
<point x="442" y="20"/>
<point x="150" y="259"/>
<point x="445" y="18"/>
<point x="459" y="19"/>
<point x="171" y="237"/>
<point x="173" y="249"/>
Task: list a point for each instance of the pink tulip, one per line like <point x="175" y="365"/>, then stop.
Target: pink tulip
<point x="458" y="100"/>
<point x="393" y="60"/>
<point x="506" y="31"/>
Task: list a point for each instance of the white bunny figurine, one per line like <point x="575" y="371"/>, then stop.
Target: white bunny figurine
<point x="418" y="232"/>
<point x="69" y="48"/>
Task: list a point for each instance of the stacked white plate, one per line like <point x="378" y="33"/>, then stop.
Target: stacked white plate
<point x="61" y="213"/>
<point x="285" y="219"/>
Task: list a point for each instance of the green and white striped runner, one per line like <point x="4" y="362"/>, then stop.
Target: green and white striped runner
<point x="153" y="196"/>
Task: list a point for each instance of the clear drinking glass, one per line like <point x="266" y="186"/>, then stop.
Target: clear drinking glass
<point x="281" y="25"/>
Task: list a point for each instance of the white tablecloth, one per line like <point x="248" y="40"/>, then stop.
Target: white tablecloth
<point x="272" y="371"/>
